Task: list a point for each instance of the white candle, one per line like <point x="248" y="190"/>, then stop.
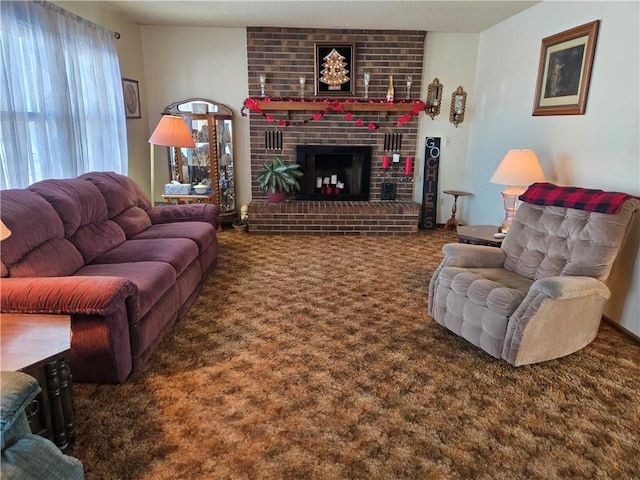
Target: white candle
<point x="326" y="180"/>
<point x="334" y="179"/>
<point x="318" y="182"/>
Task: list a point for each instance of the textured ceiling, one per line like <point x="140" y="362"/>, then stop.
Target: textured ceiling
<point x="437" y="16"/>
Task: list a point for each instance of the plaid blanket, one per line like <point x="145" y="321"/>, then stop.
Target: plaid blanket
<point x="574" y="197"/>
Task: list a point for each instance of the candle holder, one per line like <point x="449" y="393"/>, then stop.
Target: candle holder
<point x="409" y="83"/>
<point x="303" y="81"/>
<point x="263" y="81"/>
<point x="367" y="77"/>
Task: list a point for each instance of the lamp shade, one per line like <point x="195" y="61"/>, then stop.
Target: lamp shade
<point x="172" y="131"/>
<point x="4" y="231"/>
<point x="518" y="167"/>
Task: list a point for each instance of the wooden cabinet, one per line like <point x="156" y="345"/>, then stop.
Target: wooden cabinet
<point x="211" y="162"/>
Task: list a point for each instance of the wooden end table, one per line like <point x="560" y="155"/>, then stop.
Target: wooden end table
<point x="479" y="235"/>
<point x="453" y="223"/>
<point x="39" y="345"/>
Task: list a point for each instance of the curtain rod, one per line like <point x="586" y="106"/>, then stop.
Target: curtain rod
<point x="61" y="10"/>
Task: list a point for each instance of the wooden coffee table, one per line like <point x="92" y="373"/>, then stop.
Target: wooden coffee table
<point x="39" y="345"/>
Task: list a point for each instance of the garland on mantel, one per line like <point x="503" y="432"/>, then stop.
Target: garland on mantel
<point x="328" y="105"/>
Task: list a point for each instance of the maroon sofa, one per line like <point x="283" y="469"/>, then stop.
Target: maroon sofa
<point x="93" y="248"/>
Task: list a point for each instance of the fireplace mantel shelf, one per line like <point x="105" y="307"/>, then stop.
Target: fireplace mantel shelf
<point x="311" y="106"/>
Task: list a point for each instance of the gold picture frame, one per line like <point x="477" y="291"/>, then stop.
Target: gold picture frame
<point x="564" y="71"/>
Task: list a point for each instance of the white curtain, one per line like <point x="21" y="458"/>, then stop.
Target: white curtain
<point x="62" y="108"/>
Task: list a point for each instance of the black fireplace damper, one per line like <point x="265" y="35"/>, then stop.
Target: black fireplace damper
<point x="334" y="172"/>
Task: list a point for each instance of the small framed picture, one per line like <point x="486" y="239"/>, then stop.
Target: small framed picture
<point x="564" y="71"/>
<point x="335" y="69"/>
<point x="131" y="98"/>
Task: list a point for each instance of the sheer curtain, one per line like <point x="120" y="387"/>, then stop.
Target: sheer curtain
<point x="61" y="102"/>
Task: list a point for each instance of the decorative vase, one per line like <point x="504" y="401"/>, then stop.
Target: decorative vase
<point x="277" y="197"/>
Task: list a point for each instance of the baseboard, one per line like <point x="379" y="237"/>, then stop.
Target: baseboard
<point x="621" y="329"/>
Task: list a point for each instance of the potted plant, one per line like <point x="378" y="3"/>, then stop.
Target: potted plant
<point x="279" y="178"/>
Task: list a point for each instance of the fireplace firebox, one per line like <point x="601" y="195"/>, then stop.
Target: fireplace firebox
<point x="334" y="172"/>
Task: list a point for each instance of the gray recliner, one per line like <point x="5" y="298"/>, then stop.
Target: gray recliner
<point x="26" y="456"/>
<point x="541" y="295"/>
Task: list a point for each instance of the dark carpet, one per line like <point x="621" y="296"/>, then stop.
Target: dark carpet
<point x="313" y="357"/>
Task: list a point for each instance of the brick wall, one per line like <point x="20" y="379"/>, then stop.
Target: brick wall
<point x="283" y="54"/>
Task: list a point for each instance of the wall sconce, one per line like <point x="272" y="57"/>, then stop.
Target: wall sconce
<point x="458" y="105"/>
<point x="263" y="81"/>
<point x="434" y="98"/>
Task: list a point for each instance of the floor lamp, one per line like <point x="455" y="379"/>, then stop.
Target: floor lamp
<point x="518" y="169"/>
<point x="171" y="131"/>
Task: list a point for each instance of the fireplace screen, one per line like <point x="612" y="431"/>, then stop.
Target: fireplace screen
<point x="334" y="172"/>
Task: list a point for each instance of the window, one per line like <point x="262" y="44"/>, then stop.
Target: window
<point x="61" y="105"/>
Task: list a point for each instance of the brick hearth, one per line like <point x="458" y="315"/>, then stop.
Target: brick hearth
<point x="334" y="218"/>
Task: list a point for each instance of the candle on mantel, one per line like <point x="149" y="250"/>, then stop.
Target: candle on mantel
<point x="407" y="166"/>
<point x="318" y="182"/>
<point x="385" y="163"/>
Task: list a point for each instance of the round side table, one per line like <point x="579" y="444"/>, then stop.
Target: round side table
<point x="453" y="223"/>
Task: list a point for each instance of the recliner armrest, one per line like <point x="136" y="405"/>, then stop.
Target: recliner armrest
<point x="565" y="287"/>
<point x="472" y="256"/>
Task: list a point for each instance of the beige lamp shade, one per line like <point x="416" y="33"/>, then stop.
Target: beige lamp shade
<point x="4" y="231"/>
<point x="172" y="131"/>
<point x="518" y="167"/>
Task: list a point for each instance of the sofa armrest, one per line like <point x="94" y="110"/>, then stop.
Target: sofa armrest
<point x="17" y="390"/>
<point x="188" y="212"/>
<point x="78" y="295"/>
<point x="472" y="256"/>
<point x="559" y="316"/>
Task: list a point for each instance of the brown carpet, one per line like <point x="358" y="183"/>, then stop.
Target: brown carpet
<point x="314" y="358"/>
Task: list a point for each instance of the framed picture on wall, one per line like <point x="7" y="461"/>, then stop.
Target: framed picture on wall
<point x="131" y="98"/>
<point x="335" y="69"/>
<point x="564" y="71"/>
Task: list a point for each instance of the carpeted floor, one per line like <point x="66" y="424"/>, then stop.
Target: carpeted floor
<point x="314" y="358"/>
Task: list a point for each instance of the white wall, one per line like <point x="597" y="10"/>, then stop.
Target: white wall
<point x="450" y="57"/>
<point x="188" y="62"/>
<point x="597" y="150"/>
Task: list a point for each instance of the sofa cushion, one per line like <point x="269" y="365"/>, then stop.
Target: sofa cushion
<point x="178" y="252"/>
<point x="121" y="196"/>
<point x="153" y="279"/>
<point x="37" y="246"/>
<point x="66" y="197"/>
<point x="201" y="233"/>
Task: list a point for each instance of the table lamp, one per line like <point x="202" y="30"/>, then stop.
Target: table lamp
<point x="171" y="131"/>
<point x="518" y="169"/>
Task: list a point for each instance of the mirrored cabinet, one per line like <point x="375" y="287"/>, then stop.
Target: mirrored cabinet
<point x="211" y="162"/>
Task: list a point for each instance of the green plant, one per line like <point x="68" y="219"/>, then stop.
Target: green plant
<point x="278" y="176"/>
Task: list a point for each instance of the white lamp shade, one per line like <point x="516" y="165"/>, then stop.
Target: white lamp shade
<point x="518" y="167"/>
<point x="172" y="131"/>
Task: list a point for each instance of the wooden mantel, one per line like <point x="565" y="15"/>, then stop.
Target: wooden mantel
<point x="361" y="106"/>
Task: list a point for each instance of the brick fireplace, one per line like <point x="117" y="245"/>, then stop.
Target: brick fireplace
<point x="283" y="55"/>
